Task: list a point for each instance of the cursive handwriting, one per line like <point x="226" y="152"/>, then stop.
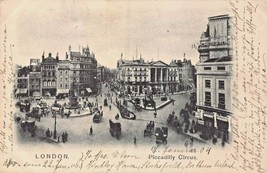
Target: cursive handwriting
<point x="249" y="90"/>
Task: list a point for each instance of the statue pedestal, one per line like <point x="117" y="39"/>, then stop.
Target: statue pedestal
<point x="73" y="104"/>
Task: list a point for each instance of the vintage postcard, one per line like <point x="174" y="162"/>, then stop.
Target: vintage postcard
<point x="133" y="86"/>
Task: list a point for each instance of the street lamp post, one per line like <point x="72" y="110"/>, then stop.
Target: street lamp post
<point x="55" y="127"/>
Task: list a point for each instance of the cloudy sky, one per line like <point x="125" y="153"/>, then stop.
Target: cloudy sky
<point x="162" y="30"/>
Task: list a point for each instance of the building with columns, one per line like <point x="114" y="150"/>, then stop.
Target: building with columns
<point x="140" y="77"/>
<point x="214" y="76"/>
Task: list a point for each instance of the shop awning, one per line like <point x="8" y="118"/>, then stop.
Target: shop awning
<point x="36" y="94"/>
<point x="21" y="91"/>
<point x="62" y="91"/>
<point x="88" y="90"/>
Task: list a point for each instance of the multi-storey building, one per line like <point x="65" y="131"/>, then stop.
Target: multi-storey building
<point x="133" y="75"/>
<point x="214" y="75"/>
<point x="22" y="82"/>
<point x="35" y="78"/>
<point x="137" y="76"/>
<point x="63" y="77"/>
<point x="49" y="75"/>
<point x="183" y="75"/>
<point x="35" y="83"/>
<point x="83" y="72"/>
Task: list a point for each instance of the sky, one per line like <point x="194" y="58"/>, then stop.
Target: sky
<point x="158" y="30"/>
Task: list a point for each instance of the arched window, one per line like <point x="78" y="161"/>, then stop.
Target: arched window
<point x="48" y="83"/>
<point x="53" y="83"/>
<point x="45" y="83"/>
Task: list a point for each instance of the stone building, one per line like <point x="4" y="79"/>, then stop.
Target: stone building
<point x="49" y="75"/>
<point x="157" y="77"/>
<point x="83" y="72"/>
<point x="35" y="76"/>
<point x="22" y="82"/>
<point x="214" y="75"/>
<point x="63" y="77"/>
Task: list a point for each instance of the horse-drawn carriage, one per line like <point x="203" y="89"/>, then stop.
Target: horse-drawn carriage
<point x="56" y="108"/>
<point x="29" y="125"/>
<point x="35" y="113"/>
<point x="174" y="122"/>
<point x="149" y="129"/>
<point x="115" y="129"/>
<point x="161" y="135"/>
<point x="24" y="106"/>
<point x="44" y="108"/>
<point x="98" y="117"/>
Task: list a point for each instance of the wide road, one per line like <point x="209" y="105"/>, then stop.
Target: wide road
<point x="78" y="127"/>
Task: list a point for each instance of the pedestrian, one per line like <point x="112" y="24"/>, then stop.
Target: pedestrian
<point x="134" y="140"/>
<point x="91" y="130"/>
<point x="155" y="114"/>
<point x="50" y="133"/>
<point x="186" y="144"/>
<point x="58" y="139"/>
<point x="63" y="137"/>
<point x="172" y="102"/>
<point x="66" y="136"/>
<point x="109" y="107"/>
<point x="191" y="141"/>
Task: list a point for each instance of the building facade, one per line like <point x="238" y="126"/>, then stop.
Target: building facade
<point x="83" y="72"/>
<point x="49" y="75"/>
<point x="22" y="82"/>
<point x="35" y="76"/>
<point x="63" y="77"/>
<point x="35" y="83"/>
<point x="214" y="76"/>
<point x="157" y="77"/>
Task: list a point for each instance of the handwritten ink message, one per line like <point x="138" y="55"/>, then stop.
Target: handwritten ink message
<point x="249" y="89"/>
<point x="158" y="159"/>
<point x="6" y="73"/>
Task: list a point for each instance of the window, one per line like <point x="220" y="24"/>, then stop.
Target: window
<point x="220" y="68"/>
<point x="207" y="83"/>
<point x="207" y="68"/>
<point x="221" y="104"/>
<point x="207" y="99"/>
<point x="221" y="84"/>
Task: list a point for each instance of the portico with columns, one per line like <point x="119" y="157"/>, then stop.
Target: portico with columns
<point x="159" y="77"/>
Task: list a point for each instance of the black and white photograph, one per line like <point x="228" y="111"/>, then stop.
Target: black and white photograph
<point x="133" y="86"/>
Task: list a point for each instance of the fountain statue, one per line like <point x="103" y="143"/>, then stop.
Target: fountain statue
<point x="73" y="104"/>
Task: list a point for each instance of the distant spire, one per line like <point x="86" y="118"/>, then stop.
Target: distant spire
<point x="66" y="56"/>
<point x="43" y="54"/>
